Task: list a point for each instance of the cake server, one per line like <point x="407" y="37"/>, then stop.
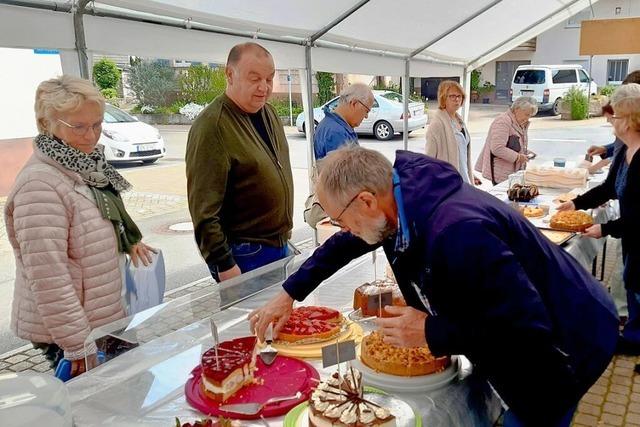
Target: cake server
<point x="268" y="354"/>
<point x="254" y="408"/>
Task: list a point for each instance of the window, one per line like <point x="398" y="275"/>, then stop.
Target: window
<point x="393" y="96"/>
<point x="529" y="77"/>
<point x="113" y="115"/>
<point x="583" y="76"/>
<point x="332" y="104"/>
<point x="617" y="70"/>
<point x="564" y="76"/>
<point x="375" y="104"/>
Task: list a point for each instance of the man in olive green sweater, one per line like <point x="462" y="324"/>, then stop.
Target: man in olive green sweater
<point x="239" y="181"/>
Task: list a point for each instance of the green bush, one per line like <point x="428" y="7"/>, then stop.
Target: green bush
<point x="607" y="90"/>
<point x="201" y="84"/>
<point x="106" y="74"/>
<point x="109" y="93"/>
<point x="577" y="102"/>
<point x="326" y="86"/>
<point x="475" y="79"/>
<point x="282" y="107"/>
<point x="153" y="83"/>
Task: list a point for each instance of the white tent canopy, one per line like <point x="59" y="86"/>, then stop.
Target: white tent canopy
<point x="380" y="37"/>
<point x="460" y="33"/>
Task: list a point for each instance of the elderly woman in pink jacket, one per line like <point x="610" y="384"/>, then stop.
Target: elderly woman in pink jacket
<point x="68" y="227"/>
<point x="506" y="147"/>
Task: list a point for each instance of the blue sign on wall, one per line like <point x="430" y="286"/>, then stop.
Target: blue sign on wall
<point x="46" y="51"/>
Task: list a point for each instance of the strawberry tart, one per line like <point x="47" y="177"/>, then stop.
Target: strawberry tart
<point x="310" y="324"/>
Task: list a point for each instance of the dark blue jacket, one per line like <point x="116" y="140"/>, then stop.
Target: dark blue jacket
<point x="533" y="321"/>
<point x="332" y="133"/>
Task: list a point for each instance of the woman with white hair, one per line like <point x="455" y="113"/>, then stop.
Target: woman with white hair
<point x="505" y="150"/>
<point x="68" y="227"/>
<point x="622" y="183"/>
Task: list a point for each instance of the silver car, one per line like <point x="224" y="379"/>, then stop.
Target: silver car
<point x="385" y="118"/>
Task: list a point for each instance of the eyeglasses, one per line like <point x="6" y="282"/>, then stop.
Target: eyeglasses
<point x="365" y="107"/>
<point x="82" y="130"/>
<point x="454" y="96"/>
<point x="336" y="222"/>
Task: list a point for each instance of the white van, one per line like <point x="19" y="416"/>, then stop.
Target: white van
<point x="548" y="83"/>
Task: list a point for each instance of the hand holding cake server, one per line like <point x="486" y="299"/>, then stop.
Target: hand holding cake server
<point x="478" y="279"/>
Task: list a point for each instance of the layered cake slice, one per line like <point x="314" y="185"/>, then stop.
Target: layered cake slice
<point x="339" y="401"/>
<point x="367" y="297"/>
<point x="401" y="361"/>
<point x="311" y="323"/>
<point x="223" y="375"/>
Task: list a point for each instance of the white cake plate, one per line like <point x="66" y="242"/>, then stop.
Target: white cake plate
<point x="399" y="384"/>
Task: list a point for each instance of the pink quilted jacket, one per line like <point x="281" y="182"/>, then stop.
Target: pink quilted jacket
<point x="68" y="277"/>
<point x="506" y="160"/>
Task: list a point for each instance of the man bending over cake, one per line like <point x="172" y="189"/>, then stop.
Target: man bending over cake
<point x="478" y="279"/>
<point x="239" y="181"/>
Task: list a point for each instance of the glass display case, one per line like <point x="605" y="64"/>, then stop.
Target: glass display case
<point x="145" y="385"/>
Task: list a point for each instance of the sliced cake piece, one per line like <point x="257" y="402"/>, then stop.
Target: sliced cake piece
<point x="223" y="375"/>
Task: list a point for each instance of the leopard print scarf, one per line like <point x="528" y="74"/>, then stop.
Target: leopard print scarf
<point x="92" y="167"/>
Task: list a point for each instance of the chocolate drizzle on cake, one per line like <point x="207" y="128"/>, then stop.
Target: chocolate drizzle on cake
<point x="340" y="399"/>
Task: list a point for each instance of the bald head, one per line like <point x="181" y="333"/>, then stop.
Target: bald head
<point x="236" y="52"/>
<point x="250" y="70"/>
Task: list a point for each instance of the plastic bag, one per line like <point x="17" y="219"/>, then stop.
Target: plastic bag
<point x="145" y="285"/>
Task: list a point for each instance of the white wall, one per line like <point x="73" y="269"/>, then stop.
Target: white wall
<point x="21" y="70"/>
<point x="561" y="44"/>
<point x="488" y="71"/>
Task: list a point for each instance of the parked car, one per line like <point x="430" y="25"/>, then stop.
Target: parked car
<point x="126" y="139"/>
<point x="548" y="84"/>
<point x="384" y="120"/>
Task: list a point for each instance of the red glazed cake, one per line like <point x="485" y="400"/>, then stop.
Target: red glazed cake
<point x="310" y="324"/>
<point x="233" y="368"/>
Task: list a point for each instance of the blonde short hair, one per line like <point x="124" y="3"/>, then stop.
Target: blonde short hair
<point x="446" y="87"/>
<point x="626" y="103"/>
<point x="61" y="95"/>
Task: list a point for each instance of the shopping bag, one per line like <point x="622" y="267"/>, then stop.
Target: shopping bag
<point x="145" y="285"/>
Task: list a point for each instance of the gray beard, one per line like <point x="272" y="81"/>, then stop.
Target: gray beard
<point x="379" y="231"/>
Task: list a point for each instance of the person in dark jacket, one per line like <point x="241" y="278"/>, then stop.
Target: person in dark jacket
<point x="239" y="179"/>
<point x="622" y="183"/>
<point x="478" y="278"/>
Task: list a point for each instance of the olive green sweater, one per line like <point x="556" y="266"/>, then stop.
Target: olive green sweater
<point x="238" y="190"/>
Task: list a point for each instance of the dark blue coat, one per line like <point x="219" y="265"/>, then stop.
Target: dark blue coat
<point x="533" y="321"/>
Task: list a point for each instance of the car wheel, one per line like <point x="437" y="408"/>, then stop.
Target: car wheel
<point x="149" y="161"/>
<point x="304" y="129"/>
<point x="556" y="107"/>
<point x="383" y="131"/>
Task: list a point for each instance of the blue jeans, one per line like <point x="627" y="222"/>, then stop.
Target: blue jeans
<point x="511" y="420"/>
<point x="249" y="256"/>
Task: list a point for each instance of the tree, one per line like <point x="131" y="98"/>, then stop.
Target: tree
<point x="106" y="74"/>
<point x="201" y="84"/>
<point x="153" y="83"/>
<point x="325" y="86"/>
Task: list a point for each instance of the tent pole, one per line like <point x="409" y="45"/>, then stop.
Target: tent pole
<point x="81" y="43"/>
<point x="307" y="103"/>
<point x="405" y="104"/>
<point x="466" y="84"/>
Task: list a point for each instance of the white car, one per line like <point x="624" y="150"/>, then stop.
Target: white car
<point x="385" y="118"/>
<point x="548" y="84"/>
<point x="126" y="139"/>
